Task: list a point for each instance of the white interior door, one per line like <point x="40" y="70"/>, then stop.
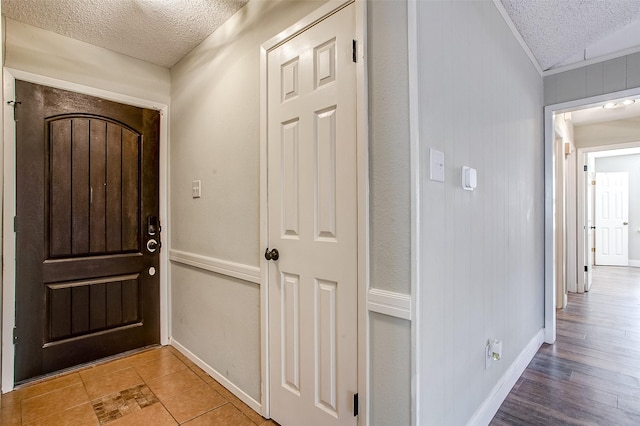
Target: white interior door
<point x="313" y="225"/>
<point x="612" y="218"/>
<point x="589" y="223"/>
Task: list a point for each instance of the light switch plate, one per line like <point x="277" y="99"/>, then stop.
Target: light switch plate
<point x="196" y="187"/>
<point x="436" y="165"/>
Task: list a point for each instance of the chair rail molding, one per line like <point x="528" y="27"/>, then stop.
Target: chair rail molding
<point x="389" y="303"/>
<point x="219" y="266"/>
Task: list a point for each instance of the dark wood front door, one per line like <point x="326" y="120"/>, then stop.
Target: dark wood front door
<point x="87" y="281"/>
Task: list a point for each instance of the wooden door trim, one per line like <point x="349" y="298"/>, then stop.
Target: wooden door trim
<point x="9" y="205"/>
<point x="362" y="176"/>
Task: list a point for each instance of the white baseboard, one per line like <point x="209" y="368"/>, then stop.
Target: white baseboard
<point x="484" y="414"/>
<point x="244" y="397"/>
<point x="634" y="263"/>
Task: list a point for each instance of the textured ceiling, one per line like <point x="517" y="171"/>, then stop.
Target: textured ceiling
<point x="163" y="31"/>
<point x="156" y="31"/>
<point x="556" y="30"/>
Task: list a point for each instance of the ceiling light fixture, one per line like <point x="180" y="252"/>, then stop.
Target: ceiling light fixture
<point x="616" y="105"/>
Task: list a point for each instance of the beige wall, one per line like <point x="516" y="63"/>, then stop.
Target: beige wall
<point x="48" y="54"/>
<point x="215" y="138"/>
<point x="390" y="208"/>
<point x="607" y="133"/>
<point x="482" y="259"/>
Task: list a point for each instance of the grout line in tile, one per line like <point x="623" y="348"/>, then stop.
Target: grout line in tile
<point x="206" y="412"/>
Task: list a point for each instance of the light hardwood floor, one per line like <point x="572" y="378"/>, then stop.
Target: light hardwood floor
<point x="591" y="375"/>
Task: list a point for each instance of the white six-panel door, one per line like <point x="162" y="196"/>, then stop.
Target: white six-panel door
<point x="590" y="225"/>
<point x="313" y="225"/>
<point x="612" y="218"/>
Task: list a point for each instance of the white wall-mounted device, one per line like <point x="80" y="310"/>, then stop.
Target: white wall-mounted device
<point x="469" y="178"/>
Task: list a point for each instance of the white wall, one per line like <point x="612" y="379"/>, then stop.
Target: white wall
<point x="480" y="101"/>
<point x="215" y="138"/>
<point x="48" y="54"/>
<point x="389" y="195"/>
<point x="631" y="164"/>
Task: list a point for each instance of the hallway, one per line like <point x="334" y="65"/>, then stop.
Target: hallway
<point x="591" y="376"/>
<point x="156" y="387"/>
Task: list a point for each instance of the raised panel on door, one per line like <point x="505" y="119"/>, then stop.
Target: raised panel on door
<point x="89" y="166"/>
<point x="290" y="179"/>
<point x="78" y="308"/>
<point x="325" y="179"/>
<point x="325" y="356"/>
<point x="290" y="326"/>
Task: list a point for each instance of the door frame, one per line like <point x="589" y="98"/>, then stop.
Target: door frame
<point x="581" y="219"/>
<point x="9" y="204"/>
<point x="549" y="186"/>
<point x="583" y="244"/>
<point x="362" y="177"/>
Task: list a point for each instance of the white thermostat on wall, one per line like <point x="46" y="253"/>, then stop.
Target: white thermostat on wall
<point x="469" y="178"/>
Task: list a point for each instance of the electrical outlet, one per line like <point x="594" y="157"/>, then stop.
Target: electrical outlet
<point x="493" y="352"/>
<point x="196" y="187"/>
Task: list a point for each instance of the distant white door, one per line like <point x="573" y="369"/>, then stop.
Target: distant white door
<point x="590" y="225"/>
<point x="313" y="224"/>
<point x="612" y="218"/>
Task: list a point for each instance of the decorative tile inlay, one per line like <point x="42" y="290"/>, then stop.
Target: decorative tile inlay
<point x="116" y="405"/>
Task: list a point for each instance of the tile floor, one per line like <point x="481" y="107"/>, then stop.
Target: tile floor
<point x="157" y="387"/>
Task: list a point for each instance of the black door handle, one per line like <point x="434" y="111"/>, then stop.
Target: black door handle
<point x="153" y="225"/>
<point x="271" y="255"/>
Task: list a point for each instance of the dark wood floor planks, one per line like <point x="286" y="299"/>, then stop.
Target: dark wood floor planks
<point x="591" y="375"/>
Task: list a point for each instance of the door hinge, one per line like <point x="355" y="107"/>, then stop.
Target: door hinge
<point x="355" y="404"/>
<point x="15" y="334"/>
<point x="586" y="168"/>
<point x="586" y="268"/>
<point x="15" y="224"/>
<point x="593" y="182"/>
<point x="593" y="249"/>
<point x="14" y="104"/>
<point x="354" y="51"/>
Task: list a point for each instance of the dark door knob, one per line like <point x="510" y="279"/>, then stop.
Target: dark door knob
<point x="271" y="255"/>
